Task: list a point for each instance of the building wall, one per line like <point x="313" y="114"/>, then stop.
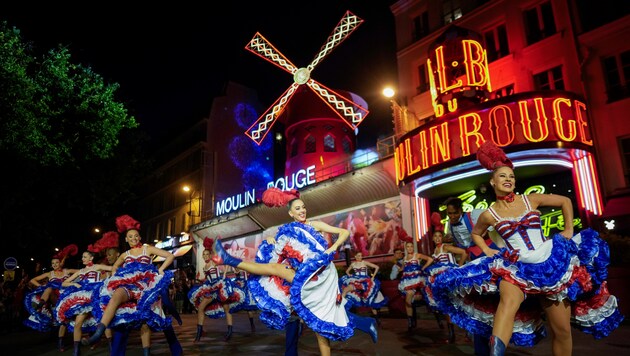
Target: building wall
<point x="578" y="53"/>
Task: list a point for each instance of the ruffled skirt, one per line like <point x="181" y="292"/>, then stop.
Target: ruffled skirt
<point x="74" y="301"/>
<point x="144" y="285"/>
<point x="314" y="293"/>
<point x="42" y="319"/>
<point x="220" y="292"/>
<point x="574" y="269"/>
<point x="366" y="292"/>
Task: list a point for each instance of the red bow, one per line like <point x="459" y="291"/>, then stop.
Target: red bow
<point x="510" y="256"/>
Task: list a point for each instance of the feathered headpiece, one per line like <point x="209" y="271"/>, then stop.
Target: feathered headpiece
<point x="274" y="197"/>
<point x="492" y="157"/>
<point x="208" y="243"/>
<point x="436" y="222"/>
<point x="403" y="235"/>
<point x="69" y="250"/>
<point x="125" y="223"/>
<point x="109" y="239"/>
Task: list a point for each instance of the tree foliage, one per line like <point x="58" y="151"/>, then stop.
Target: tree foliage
<point x="70" y="150"/>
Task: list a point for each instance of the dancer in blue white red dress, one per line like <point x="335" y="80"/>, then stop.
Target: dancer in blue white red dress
<point x="562" y="276"/>
<point x="216" y="295"/>
<point x="445" y="256"/>
<point x="294" y="272"/>
<point x="360" y="287"/>
<point x="41" y="301"/>
<point x="239" y="281"/>
<point x="413" y="280"/>
<point x="131" y="298"/>
<point x="79" y="296"/>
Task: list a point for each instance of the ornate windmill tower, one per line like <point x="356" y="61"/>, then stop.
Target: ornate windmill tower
<point x="320" y="122"/>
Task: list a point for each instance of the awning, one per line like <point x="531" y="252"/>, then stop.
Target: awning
<point x="617" y="206"/>
<point x="177" y="252"/>
<point x="368" y="184"/>
<point x="180" y="251"/>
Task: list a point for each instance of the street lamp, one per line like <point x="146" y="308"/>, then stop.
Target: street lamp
<point x="197" y="211"/>
<point x="404" y="120"/>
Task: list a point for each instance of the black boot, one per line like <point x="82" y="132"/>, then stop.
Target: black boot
<point x="60" y="345"/>
<point x="173" y="343"/>
<point x="100" y="329"/>
<point x="410" y="323"/>
<point x="199" y="332"/>
<point x="77" y="348"/>
<point x="146" y="351"/>
<point x="251" y="324"/>
<point x="167" y="304"/>
<point x="438" y="318"/>
<point x="109" y="344"/>
<point x="497" y="347"/>
<point x="377" y="317"/>
<point x="228" y="335"/>
<point x="451" y="333"/>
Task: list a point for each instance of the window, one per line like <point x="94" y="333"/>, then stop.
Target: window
<point x="310" y="144"/>
<point x="617" y="75"/>
<point x="294" y="148"/>
<point x="329" y="143"/>
<point x="624" y="144"/>
<point x="451" y="10"/>
<point x="505" y="91"/>
<point x="423" y="79"/>
<point x="539" y="22"/>
<point x="549" y="80"/>
<point x="420" y="26"/>
<point x="171" y="226"/>
<point x="346" y="145"/>
<point x="496" y="41"/>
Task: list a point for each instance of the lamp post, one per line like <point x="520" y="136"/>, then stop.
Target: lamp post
<point x="197" y="211"/>
<point x="401" y="114"/>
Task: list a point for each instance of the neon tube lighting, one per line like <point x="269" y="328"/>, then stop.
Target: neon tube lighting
<point x="522" y="163"/>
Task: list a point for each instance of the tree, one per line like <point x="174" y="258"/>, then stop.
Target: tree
<point x="61" y="128"/>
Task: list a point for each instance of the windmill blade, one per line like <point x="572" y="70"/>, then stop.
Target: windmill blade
<point x="348" y="23"/>
<point x="351" y="112"/>
<point x="264" y="49"/>
<point x="259" y="130"/>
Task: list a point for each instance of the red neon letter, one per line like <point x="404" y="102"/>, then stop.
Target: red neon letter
<point x="507" y="126"/>
<point x="475" y="59"/>
<point x="439" y="143"/>
<point x="541" y="119"/>
<point x="557" y="119"/>
<point x="441" y="71"/>
<point x="465" y="133"/>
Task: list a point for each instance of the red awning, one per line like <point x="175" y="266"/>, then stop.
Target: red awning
<point x="617" y="206"/>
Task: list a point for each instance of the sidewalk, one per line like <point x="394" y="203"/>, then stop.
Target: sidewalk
<point x="394" y="340"/>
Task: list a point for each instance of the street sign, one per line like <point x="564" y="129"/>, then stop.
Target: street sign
<point x="10" y="263"/>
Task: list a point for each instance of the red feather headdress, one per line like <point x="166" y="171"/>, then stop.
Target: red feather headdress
<point x="69" y="250"/>
<point x="274" y="197"/>
<point x="436" y="221"/>
<point x="109" y="239"/>
<point x="125" y="223"/>
<point x="492" y="157"/>
<point x="208" y="243"/>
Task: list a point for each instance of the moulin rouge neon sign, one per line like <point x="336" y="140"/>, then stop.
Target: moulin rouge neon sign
<point x="465" y="118"/>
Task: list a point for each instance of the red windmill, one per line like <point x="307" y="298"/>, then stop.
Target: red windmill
<point x="349" y="111"/>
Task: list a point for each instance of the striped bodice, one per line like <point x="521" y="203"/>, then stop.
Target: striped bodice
<point x="523" y="233"/>
<point x="141" y="258"/>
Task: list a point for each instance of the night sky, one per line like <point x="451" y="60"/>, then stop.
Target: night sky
<point x="171" y="61"/>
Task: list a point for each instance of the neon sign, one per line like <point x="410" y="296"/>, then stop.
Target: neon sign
<point x="524" y="118"/>
<point x="297" y="180"/>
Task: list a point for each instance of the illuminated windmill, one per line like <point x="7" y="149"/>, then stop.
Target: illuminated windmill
<point x="349" y="111"/>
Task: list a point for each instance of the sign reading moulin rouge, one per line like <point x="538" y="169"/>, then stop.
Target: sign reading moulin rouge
<point x="297" y="180"/>
<point x="525" y="118"/>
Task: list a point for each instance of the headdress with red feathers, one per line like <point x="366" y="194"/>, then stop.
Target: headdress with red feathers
<point x="69" y="250"/>
<point x="403" y="235"/>
<point x="436" y="222"/>
<point x="125" y="223"/>
<point x="492" y="157"/>
<point x="208" y="243"/>
<point x="109" y="239"/>
<point x="274" y="197"/>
